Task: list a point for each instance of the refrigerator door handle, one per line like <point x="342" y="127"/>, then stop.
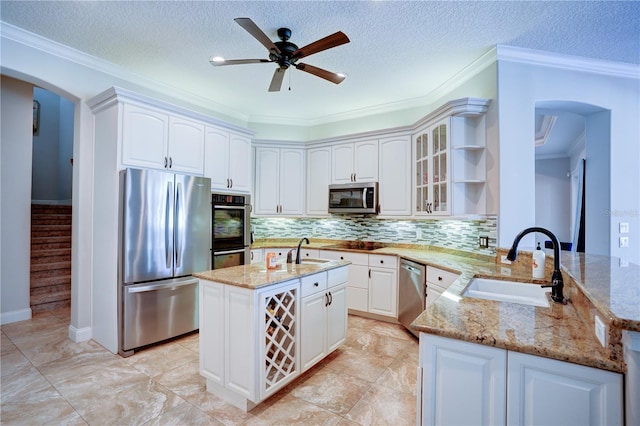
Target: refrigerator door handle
<point x="167" y="226"/>
<point x="155" y="287"/>
<point x="179" y="224"/>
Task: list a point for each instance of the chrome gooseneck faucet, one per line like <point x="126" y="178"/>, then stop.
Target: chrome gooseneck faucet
<point x="556" y="278"/>
<point x="300" y="245"/>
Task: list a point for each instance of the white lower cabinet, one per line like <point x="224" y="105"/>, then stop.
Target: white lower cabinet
<point x="438" y="281"/>
<point x="545" y="391"/>
<point x="373" y="282"/>
<point x="383" y="285"/>
<point x="358" y="287"/>
<point x="323" y="316"/>
<point x="468" y="383"/>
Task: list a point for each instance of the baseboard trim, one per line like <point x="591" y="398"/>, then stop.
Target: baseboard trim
<point x="15" y="316"/>
<point x="79" y="334"/>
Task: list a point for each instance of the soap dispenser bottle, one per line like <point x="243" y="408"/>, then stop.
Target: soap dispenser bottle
<point x="537" y="265"/>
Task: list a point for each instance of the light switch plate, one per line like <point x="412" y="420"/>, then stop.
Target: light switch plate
<point x="624" y="241"/>
<point x="624" y="227"/>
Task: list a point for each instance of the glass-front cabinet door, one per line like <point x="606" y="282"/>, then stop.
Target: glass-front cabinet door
<point x="432" y="169"/>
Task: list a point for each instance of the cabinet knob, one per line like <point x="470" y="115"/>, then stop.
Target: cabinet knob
<point x="341" y="258"/>
<point x="316" y="284"/>
<point x="439" y="278"/>
<point x="382" y="261"/>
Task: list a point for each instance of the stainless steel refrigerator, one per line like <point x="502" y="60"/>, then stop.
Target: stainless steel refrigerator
<point x="165" y="237"/>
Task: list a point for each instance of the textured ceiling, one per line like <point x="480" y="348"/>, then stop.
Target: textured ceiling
<point x="399" y="50"/>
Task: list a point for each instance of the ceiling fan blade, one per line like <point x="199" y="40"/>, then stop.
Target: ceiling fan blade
<point x="257" y="33"/>
<point x="328" y="42"/>
<point x="219" y="63"/>
<point x="276" y="81"/>
<point x="319" y="72"/>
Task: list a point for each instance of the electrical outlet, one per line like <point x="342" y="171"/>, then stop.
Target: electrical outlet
<point x="504" y="259"/>
<point x="624" y="241"/>
<point x="315" y="229"/>
<point x="624" y="227"/>
<point x="483" y="242"/>
<point x="418" y="234"/>
<point x="601" y="331"/>
<point x="505" y="271"/>
<point x="624" y="263"/>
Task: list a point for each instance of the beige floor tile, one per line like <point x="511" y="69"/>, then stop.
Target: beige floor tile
<point x="183" y="414"/>
<point x="290" y="410"/>
<point x="334" y="392"/>
<point x="6" y="345"/>
<point x="384" y="406"/>
<point x="369" y="341"/>
<point x="12" y="362"/>
<point x="187" y="382"/>
<point x="401" y="375"/>
<point x="363" y="365"/>
<point x="157" y="360"/>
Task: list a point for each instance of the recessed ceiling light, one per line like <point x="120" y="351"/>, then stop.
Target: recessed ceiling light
<point x="216" y="59"/>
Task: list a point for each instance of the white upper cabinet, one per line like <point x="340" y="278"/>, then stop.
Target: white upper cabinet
<point x="145" y="137"/>
<point x="227" y="160"/>
<point x="318" y="180"/>
<point x="155" y="139"/>
<point x="395" y="176"/>
<point x="279" y="181"/>
<point x="449" y="160"/>
<point x="355" y="162"/>
<point x="186" y="145"/>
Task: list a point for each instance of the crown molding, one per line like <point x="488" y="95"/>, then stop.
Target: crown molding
<point x="567" y="62"/>
<point x="29" y="39"/>
<point x="461" y="77"/>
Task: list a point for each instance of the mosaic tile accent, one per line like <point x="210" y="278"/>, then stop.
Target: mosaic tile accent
<point x="457" y="234"/>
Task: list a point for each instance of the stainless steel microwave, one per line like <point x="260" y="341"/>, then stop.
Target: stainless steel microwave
<point x="354" y="198"/>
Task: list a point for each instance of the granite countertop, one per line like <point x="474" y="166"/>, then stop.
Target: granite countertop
<point x="593" y="284"/>
<point x="257" y="275"/>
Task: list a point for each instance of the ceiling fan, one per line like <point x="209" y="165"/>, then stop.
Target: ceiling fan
<point x="286" y="54"/>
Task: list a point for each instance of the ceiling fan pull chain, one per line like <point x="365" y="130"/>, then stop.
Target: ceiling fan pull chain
<point x="290" y="80"/>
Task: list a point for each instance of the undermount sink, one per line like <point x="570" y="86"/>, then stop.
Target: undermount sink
<point x="507" y="291"/>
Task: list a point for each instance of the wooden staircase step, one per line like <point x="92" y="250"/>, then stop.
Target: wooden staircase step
<point x="50" y="220"/>
<point x="50" y="267"/>
<point x="50" y="281"/>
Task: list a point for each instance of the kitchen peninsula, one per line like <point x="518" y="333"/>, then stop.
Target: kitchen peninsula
<point x="261" y="328"/>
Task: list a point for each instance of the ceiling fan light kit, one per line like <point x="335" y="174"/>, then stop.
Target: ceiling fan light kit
<point x="286" y="54"/>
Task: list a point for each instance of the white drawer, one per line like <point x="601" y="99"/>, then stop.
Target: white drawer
<point x="441" y="278"/>
<point x="338" y="276"/>
<point x="355" y="258"/>
<point x="382" y="261"/>
<point x="312" y="284"/>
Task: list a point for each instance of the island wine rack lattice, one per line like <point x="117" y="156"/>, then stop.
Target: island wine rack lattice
<point x="280" y="332"/>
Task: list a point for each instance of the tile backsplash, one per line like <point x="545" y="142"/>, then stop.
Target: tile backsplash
<point x="456" y="234"/>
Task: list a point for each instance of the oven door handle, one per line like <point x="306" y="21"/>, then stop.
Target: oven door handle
<point x="154" y="287"/>
<point x="215" y="253"/>
<point x="217" y="206"/>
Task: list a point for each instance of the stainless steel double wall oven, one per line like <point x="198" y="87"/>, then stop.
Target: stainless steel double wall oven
<point x="230" y="230"/>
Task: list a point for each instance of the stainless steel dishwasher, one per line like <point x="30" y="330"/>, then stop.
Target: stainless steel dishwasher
<point x="411" y="294"/>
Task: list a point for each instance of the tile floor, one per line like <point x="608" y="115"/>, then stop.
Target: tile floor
<point x="48" y="379"/>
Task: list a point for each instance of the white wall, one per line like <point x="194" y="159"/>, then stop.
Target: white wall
<point x="52" y="149"/>
<point x="520" y="86"/>
<point x="553" y="198"/>
<point x="16" y="105"/>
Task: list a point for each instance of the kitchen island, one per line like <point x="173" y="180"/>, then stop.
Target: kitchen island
<point x="261" y="328"/>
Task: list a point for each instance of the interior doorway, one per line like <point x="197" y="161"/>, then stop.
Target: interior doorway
<point x="51" y="200"/>
<point x="573" y="174"/>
